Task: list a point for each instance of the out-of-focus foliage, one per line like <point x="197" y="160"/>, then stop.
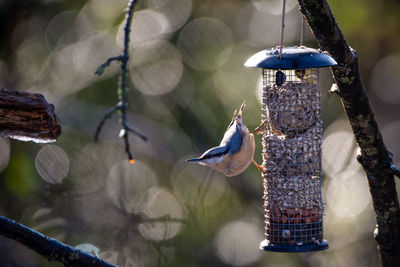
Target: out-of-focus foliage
<point x="186" y="78"/>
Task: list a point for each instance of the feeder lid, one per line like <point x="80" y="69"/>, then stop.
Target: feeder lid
<point x="292" y="58"/>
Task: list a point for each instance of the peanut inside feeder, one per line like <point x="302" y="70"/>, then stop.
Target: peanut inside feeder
<point x="292" y="148"/>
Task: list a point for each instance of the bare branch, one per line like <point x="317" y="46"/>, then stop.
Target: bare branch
<point x="107" y="115"/>
<point x="122" y="90"/>
<point x="141" y="135"/>
<point x="100" y="70"/>
<point x="48" y="247"/>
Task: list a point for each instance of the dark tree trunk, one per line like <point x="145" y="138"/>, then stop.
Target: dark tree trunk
<point x="374" y="157"/>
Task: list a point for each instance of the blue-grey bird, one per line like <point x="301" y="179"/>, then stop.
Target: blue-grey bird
<point x="236" y="150"/>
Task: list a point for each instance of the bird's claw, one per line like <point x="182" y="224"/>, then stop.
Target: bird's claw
<point x="259" y="167"/>
<point x="258" y="130"/>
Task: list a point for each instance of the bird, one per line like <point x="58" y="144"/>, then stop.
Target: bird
<point x="236" y="150"/>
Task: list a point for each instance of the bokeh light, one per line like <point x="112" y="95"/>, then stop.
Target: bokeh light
<point x="205" y="43"/>
<point x="94" y="162"/>
<point x="126" y="184"/>
<point x="339" y="150"/>
<point x="273" y="6"/>
<point x="29" y="61"/>
<point x="237" y="243"/>
<point x="233" y="82"/>
<point x="162" y="209"/>
<point x="348" y="197"/>
<point x="157" y="68"/>
<point x="89" y="53"/>
<point x="106" y="11"/>
<point x="197" y="185"/>
<point x="58" y="30"/>
<point x="176" y="12"/>
<point x="266" y="36"/>
<point x="391" y="138"/>
<point x="62" y="75"/>
<point x="147" y="25"/>
<point x="385" y="79"/>
<point x="52" y="164"/>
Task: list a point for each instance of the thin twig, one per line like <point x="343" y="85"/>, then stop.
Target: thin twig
<point x="138" y="133"/>
<point x="107" y="115"/>
<point x="122" y="91"/>
<point x="48" y="247"/>
<point x="100" y="70"/>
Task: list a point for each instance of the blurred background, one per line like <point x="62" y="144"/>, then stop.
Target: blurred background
<point x="186" y="79"/>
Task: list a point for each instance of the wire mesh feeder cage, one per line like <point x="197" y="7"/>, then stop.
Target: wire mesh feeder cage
<point x="292" y="148"/>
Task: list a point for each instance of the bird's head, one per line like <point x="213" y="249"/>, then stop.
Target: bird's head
<point x="238" y="116"/>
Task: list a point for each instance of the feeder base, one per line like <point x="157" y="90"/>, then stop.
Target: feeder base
<point x="264" y="245"/>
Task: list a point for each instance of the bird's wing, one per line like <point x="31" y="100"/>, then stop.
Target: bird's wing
<point x="232" y="139"/>
<point x="213" y="152"/>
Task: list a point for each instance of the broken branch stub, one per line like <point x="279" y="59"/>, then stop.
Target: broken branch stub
<point x="28" y="117"/>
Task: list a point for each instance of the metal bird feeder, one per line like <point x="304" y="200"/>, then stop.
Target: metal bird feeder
<point x="292" y="147"/>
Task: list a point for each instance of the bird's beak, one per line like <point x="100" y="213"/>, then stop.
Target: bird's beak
<point x="239" y="116"/>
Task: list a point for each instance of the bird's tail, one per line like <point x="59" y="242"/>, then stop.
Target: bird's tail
<point x="193" y="160"/>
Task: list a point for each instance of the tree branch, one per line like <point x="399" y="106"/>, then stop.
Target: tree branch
<point x="122" y="94"/>
<point x="374" y="157"/>
<point x="48" y="247"/>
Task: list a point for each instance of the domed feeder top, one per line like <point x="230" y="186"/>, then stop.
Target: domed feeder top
<point x="292" y="58"/>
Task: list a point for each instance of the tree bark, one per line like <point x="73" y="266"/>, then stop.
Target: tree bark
<point x="374" y="157"/>
<point x="27" y="116"/>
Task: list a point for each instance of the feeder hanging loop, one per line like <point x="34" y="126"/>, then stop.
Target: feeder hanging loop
<point x="302" y="30"/>
<point x="282" y="28"/>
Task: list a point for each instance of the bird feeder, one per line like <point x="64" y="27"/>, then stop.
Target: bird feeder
<point x="292" y="147"/>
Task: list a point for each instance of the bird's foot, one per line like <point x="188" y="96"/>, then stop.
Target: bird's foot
<point x="259" y="128"/>
<point x="259" y="167"/>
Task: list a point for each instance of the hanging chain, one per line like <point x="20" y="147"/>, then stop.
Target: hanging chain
<point x="282" y="28"/>
<point x="302" y="30"/>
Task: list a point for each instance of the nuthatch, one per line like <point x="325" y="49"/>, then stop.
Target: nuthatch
<point x="236" y="150"/>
